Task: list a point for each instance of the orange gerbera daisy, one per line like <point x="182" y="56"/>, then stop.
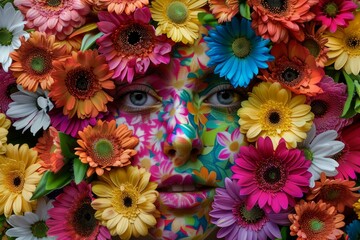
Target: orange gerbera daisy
<point x="71" y="44"/>
<point x="104" y="146"/>
<point x="49" y="151"/>
<point x="32" y="62"/>
<point x="276" y="20"/>
<point x="316" y="221"/>
<point x="315" y="42"/>
<point x="224" y="10"/>
<point x="294" y="68"/>
<point x="79" y="82"/>
<point x="337" y="192"/>
<point x="120" y="6"/>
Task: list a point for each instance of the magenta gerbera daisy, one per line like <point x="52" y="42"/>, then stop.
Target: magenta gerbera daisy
<point x="55" y="17"/>
<point x="7" y="87"/>
<point x="328" y="106"/>
<point x="271" y="178"/>
<point x="334" y="13"/>
<point x="73" y="216"/>
<point x="129" y="43"/>
<point x="237" y="221"/>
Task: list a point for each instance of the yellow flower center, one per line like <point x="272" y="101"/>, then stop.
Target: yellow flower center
<point x="241" y="47"/>
<point x="331" y="9"/>
<point x="125" y="200"/>
<point x="177" y="12"/>
<point x="5" y="37"/>
<point x="275" y="117"/>
<point x="234" y="146"/>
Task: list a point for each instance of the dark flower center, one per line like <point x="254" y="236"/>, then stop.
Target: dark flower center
<point x="274" y="117"/>
<point x="127" y="201"/>
<point x="331" y="9"/>
<point x="53" y="3"/>
<point x="319" y="107"/>
<point x="5" y="37"/>
<point x="39" y="62"/>
<point x="134" y="37"/>
<point x="332" y="193"/>
<point x="275" y="6"/>
<point x="271" y="175"/>
<point x="253" y="215"/>
<point x="177" y="12"/>
<point x="39" y="229"/>
<point x="103" y="150"/>
<point x="84" y="221"/>
<point x="17" y="181"/>
<point x="81" y="83"/>
<point x="290" y="74"/>
<point x="353" y="42"/>
<point x="11" y="88"/>
<point x="241" y="47"/>
<point x="313" y="46"/>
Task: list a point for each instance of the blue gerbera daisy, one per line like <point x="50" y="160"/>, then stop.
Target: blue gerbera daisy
<point x="237" y="52"/>
<point x="353" y="230"/>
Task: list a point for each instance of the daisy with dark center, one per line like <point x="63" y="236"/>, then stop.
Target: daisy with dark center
<point x="316" y="221"/>
<point x="4" y="130"/>
<point x="294" y="68"/>
<point x="236" y="221"/>
<point x="7" y="87"/>
<point x="32" y="66"/>
<point x="280" y="19"/>
<point x="54" y="17"/>
<point x="73" y="216"/>
<point x="178" y="19"/>
<point x="339" y="193"/>
<point x="130" y="45"/>
<point x="19" y="178"/>
<point x="271" y="178"/>
<point x="224" y="10"/>
<point x="315" y="42"/>
<point x="104" y="146"/>
<point x="344" y="47"/>
<point x="272" y="111"/>
<point x="79" y="84"/>
<point x="122" y="6"/>
<point x="125" y="203"/>
<point x="328" y="106"/>
<point x="334" y="13"/>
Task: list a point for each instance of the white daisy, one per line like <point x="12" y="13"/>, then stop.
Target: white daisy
<point x="319" y="149"/>
<point x="30" y="108"/>
<point x="31" y="226"/>
<point x="11" y="29"/>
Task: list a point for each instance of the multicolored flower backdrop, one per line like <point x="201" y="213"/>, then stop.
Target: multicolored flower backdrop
<point x="282" y="156"/>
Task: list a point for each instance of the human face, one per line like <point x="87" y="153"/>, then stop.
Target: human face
<point x="189" y="136"/>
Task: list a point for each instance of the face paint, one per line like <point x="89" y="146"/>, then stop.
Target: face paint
<point x="189" y="135"/>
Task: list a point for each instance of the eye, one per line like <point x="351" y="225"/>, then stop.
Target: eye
<point x="223" y="96"/>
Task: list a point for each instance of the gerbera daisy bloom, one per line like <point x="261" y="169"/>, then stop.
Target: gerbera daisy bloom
<point x="353" y="230"/>
<point x="104" y="146"/>
<point x="271" y="178"/>
<point x="237" y="221"/>
<point x="338" y="192"/>
<point x="125" y="203"/>
<point x="357" y="207"/>
<point x="12" y="28"/>
<point x="274" y="112"/>
<point x="237" y="52"/>
<point x="328" y="106"/>
<point x="19" y="178"/>
<point x="315" y="42"/>
<point x="7" y="87"/>
<point x="32" y="64"/>
<point x="316" y="221"/>
<point x="334" y="13"/>
<point x="48" y="148"/>
<point x="57" y="17"/>
<point x="32" y="225"/>
<point x="294" y="68"/>
<point x="30" y="109"/>
<point x="224" y="10"/>
<point x="129" y="43"/>
<point x="79" y="83"/>
<point x="276" y="20"/>
<point x="349" y="157"/>
<point x="344" y="47"/>
<point x="178" y="19"/>
<point x="4" y="127"/>
<point x="120" y="6"/>
<point x="71" y="44"/>
<point x="317" y="150"/>
<point x="73" y="216"/>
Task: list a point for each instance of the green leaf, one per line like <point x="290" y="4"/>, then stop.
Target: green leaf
<point x="67" y="145"/>
<point x="348" y="110"/>
<point x="40" y="189"/>
<point x="207" y="19"/>
<point x="89" y="39"/>
<point x="59" y="179"/>
<point x="79" y="170"/>
<point x="357" y="105"/>
<point x="244" y="9"/>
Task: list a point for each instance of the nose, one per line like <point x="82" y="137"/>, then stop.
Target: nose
<point x="182" y="146"/>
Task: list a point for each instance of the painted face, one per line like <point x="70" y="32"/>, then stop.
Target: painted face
<point x="189" y="136"/>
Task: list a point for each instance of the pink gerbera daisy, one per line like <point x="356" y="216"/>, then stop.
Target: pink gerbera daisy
<point x="55" y="17"/>
<point x="73" y="216"/>
<point x="271" y="178"/>
<point x="328" y="106"/>
<point x="349" y="157"/>
<point x="7" y="87"/>
<point x="129" y="43"/>
<point x="335" y="13"/>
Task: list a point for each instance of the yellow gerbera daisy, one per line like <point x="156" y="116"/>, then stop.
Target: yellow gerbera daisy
<point x="18" y="179"/>
<point x="125" y="203"/>
<point x="178" y="19"/>
<point x="344" y="47"/>
<point x="357" y="208"/>
<point x="272" y="111"/>
<point x="4" y="126"/>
